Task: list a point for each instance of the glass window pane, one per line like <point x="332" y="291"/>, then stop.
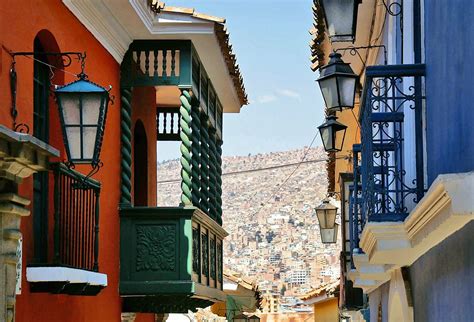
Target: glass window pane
<point x="89" y="141"/>
<point x="70" y="106"/>
<point x="74" y="139"/>
<point x="90" y="108"/>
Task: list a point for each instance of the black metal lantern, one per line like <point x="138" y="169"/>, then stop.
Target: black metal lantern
<point x="326" y="213"/>
<point x="332" y="134"/>
<point x="82" y="111"/>
<point x="329" y="235"/>
<point x="337" y="82"/>
<point x="340" y="18"/>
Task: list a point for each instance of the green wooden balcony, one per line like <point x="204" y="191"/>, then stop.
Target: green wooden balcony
<point x="170" y="259"/>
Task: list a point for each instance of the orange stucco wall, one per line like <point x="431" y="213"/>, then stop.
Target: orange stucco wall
<point x="327" y="311"/>
<point x="20" y="22"/>
<point x="144" y="109"/>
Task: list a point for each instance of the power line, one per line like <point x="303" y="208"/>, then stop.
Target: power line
<point x="289" y="176"/>
<point x="284" y="165"/>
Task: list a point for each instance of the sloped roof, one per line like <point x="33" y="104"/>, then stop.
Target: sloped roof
<point x="222" y="36"/>
<point x="328" y="289"/>
<point x="317" y="37"/>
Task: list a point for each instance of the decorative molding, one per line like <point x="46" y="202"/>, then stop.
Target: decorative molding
<point x="97" y="18"/>
<point x="21" y="155"/>
<point x="156" y="248"/>
<point x="446" y="207"/>
<point x="12" y="208"/>
<point x="380" y="240"/>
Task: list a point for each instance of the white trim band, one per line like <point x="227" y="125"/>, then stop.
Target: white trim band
<point x="65" y="274"/>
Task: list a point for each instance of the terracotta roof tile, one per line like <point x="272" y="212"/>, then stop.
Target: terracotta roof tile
<point x="317" y="32"/>
<point x="329" y="289"/>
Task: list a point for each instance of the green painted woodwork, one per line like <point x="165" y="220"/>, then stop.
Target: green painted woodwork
<point x="212" y="173"/>
<point x="157" y="246"/>
<point x="158" y="62"/>
<point x="205" y="202"/>
<point x="205" y="93"/>
<point x="219" y="180"/>
<point x="196" y="154"/>
<point x="185" y="135"/>
<point x="126" y="146"/>
<point x="171" y="258"/>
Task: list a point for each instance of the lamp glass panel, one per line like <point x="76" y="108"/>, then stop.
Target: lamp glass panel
<point x="327" y="137"/>
<point x="91" y="106"/>
<point x="347" y="90"/>
<point x="90" y="134"/>
<point x="326" y="217"/>
<point x="329" y="236"/>
<point x="74" y="141"/>
<point x="70" y="108"/>
<point x="339" y="17"/>
<point x="339" y="139"/>
<point x="329" y="90"/>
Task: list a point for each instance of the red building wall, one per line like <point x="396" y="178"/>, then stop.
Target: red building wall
<point x="20" y="22"/>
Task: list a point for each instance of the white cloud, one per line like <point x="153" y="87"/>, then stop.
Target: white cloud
<point x="290" y="93"/>
<point x="268" y="98"/>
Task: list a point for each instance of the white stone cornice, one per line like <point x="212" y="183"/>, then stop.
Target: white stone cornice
<point x="98" y="19"/>
<point x="382" y="242"/>
<point x="447" y="207"/>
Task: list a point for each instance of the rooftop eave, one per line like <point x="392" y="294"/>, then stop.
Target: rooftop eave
<point x="116" y="23"/>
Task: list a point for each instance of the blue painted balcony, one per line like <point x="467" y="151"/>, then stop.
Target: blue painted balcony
<point x="388" y="165"/>
<point x="391" y="118"/>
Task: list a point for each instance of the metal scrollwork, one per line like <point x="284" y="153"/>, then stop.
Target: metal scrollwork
<point x="387" y="189"/>
<point x="63" y="59"/>
<point x="21" y="128"/>
<point x="394" y="9"/>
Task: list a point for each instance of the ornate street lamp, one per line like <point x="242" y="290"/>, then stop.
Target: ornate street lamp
<point x="332" y="134"/>
<point x="337" y="82"/>
<point x="341" y="18"/>
<point x="82" y="111"/>
<point x="329" y="235"/>
<point x="326" y="213"/>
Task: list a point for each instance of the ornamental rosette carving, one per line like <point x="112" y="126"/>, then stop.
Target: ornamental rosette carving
<point x="156" y="248"/>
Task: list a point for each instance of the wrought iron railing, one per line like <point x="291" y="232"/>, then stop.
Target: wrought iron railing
<point x="391" y="114"/>
<point x="356" y="216"/>
<point x="76" y="219"/>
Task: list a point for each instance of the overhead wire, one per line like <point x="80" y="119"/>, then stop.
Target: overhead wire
<point x="279" y="166"/>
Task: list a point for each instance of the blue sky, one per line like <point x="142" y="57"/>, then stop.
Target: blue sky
<point x="271" y="42"/>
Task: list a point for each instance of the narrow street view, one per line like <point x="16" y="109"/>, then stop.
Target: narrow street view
<point x="241" y="161"/>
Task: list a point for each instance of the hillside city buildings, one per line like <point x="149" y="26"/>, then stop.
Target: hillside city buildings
<point x="273" y="236"/>
<point x="94" y="228"/>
